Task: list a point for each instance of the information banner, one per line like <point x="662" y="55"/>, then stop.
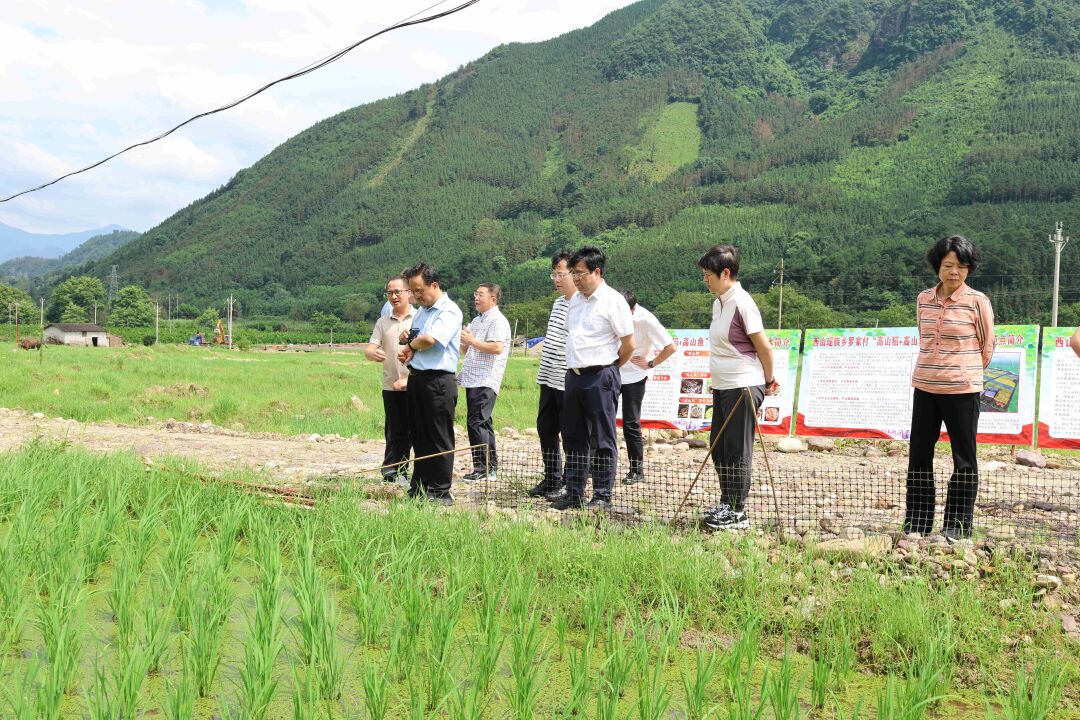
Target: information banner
<point x="857" y="383"/>
<point x="1059" y="392"/>
<point x="678" y="394"/>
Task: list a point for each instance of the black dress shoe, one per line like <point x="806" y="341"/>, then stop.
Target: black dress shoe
<point x="556" y="494"/>
<point x="540" y="489"/>
<point x="568" y="502"/>
<point x="599" y="503"/>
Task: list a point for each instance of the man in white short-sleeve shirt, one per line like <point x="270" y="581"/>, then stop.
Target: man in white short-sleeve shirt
<point x="600" y="339"/>
<point x="487" y="346"/>
<point x="649" y="337"/>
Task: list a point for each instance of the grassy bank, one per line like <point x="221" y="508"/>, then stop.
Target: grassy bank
<point x="291" y="393"/>
<point x="125" y="590"/>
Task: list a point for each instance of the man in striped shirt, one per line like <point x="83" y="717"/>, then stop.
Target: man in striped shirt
<point x="552" y="378"/>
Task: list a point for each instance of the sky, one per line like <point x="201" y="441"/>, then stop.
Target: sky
<point x="79" y="81"/>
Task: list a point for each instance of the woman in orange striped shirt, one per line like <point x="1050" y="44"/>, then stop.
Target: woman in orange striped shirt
<point x="956" y="343"/>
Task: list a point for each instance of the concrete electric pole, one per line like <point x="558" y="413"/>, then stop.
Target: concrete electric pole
<point x="1059" y="241"/>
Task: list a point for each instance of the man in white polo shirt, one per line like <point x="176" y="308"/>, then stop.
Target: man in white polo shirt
<point x="487" y="346"/>
<point x="649" y="336"/>
<point x="600" y="339"/>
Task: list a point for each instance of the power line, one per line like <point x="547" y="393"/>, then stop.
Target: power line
<point x="407" y="22"/>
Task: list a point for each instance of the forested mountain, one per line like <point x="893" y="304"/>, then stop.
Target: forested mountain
<point x="15" y="242"/>
<point x="23" y="270"/>
<point x="841" y="136"/>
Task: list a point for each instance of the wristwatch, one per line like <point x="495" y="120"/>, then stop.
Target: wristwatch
<point x="650" y="364"/>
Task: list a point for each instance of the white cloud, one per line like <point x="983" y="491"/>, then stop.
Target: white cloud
<point x="78" y="81"/>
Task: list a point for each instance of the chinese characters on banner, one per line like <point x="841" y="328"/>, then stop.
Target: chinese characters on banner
<point x="679" y="395"/>
<point x="1059" y="392"/>
<point x="857" y="383"/>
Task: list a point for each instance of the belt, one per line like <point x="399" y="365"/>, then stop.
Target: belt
<point x="591" y="370"/>
<point x="414" y="371"/>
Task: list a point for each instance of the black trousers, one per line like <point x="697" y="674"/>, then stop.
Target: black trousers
<point x="480" y="402"/>
<point x="549" y="427"/>
<point x="432" y="398"/>
<point x="396" y="431"/>
<point x="733" y="453"/>
<point x="960" y="413"/>
<point x="632" y="394"/>
<point x="589" y="405"/>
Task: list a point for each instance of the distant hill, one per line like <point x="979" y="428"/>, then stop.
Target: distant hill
<point x="840" y="135"/>
<point x="97" y="247"/>
<point x="20" y="243"/>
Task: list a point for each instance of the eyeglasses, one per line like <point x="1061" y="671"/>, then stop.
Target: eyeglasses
<point x="559" y="275"/>
<point x="579" y="275"/>
<point x="394" y="293"/>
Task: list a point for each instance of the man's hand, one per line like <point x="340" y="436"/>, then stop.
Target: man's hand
<point x="405" y="355"/>
<point x="403" y="338"/>
<point x="377" y="354"/>
<point x="640" y="362"/>
<point x="467" y="338"/>
<point x="772" y="388"/>
<point x="400" y="384"/>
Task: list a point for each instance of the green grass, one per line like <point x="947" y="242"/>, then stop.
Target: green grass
<point x="471" y="611"/>
<point x="290" y="393"/>
<point x="672" y="139"/>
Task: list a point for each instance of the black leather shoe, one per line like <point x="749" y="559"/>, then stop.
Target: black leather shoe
<point x="540" y="489"/>
<point x="599" y="503"/>
<point x="569" y="502"/>
<point x="555" y="494"/>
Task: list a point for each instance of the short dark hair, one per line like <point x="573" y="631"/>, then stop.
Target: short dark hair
<point x="964" y="249"/>
<point x="592" y="256"/>
<point x="427" y="273"/>
<point x="719" y="258"/>
<point x="560" y="256"/>
<point x="494" y="289"/>
<point x="630" y="297"/>
<point x="398" y="277"/>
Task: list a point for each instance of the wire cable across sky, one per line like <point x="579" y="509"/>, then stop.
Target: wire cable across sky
<point x="406" y="22"/>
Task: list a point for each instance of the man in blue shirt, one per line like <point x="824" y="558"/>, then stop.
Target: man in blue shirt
<point x="432" y="347"/>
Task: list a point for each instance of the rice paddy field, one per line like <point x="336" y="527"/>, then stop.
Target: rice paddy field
<point x="293" y="393"/>
<point x="131" y="591"/>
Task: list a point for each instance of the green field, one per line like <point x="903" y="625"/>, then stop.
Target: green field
<point x="131" y="592"/>
<point x="671" y="140"/>
<point x="292" y="393"/>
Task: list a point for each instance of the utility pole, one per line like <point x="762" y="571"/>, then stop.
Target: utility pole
<point x="157" y="321"/>
<point x="114" y="284"/>
<point x="95" y="312"/>
<point x="41" y="318"/>
<point x="780" y="310"/>
<point x="230" y="320"/>
<point x="1059" y="241"/>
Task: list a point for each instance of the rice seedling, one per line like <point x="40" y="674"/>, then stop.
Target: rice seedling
<point x="60" y="622"/>
<point x="180" y="691"/>
<point x="157" y="626"/>
<point x="820" y="674"/>
<point x="369" y="605"/>
<point x="376" y="692"/>
<point x="783" y="692"/>
<point x="182" y="534"/>
<point x="670" y="621"/>
<point x="739" y="667"/>
<point x="144" y="537"/>
<point x="23" y="699"/>
<point x="580" y="682"/>
<point x="14" y="603"/>
<point x="307" y="699"/>
<point x="486" y="645"/>
<point x="117" y="698"/>
<point x="444" y="620"/>
<point x="696" y="685"/>
<point x="122" y="603"/>
<point x="468" y="703"/>
<point x="653" y="696"/>
<point x="263" y="643"/>
<point x="527" y="664"/>
<point x="318" y="619"/>
<point x="209" y="610"/>
<point x="229" y="525"/>
<point x="1035" y="696"/>
<point x="562" y="626"/>
<point x="741" y="705"/>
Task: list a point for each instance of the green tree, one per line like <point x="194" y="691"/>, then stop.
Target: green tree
<point x="72" y="314"/>
<point x="208" y="318"/>
<point x="11" y="296"/>
<point x="83" y="291"/>
<point x="186" y="311"/>
<point x="132" y="308"/>
<point x="327" y="322"/>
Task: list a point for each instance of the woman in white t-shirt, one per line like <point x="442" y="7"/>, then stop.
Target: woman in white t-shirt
<point x="741" y="367"/>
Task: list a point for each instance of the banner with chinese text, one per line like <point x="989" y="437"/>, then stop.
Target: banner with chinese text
<point x="857" y="383"/>
<point x="1059" y="391"/>
<point x="679" y="394"/>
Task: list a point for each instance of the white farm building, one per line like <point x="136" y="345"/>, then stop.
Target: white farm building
<point x="76" y="334"/>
